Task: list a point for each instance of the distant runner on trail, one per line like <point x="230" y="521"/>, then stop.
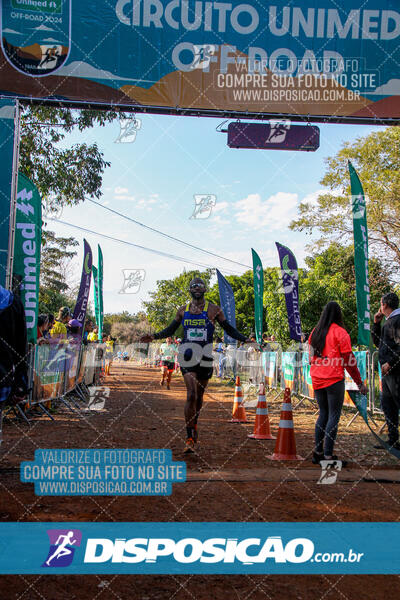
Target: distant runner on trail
<point x="167" y="351"/>
<point x="195" y="352"/>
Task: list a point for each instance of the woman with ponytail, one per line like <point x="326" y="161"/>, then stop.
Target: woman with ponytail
<point x="330" y="354"/>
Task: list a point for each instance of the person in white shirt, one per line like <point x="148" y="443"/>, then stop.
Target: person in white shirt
<point x="168" y="353"/>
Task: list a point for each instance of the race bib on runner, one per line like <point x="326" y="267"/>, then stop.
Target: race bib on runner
<point x="196" y="335"/>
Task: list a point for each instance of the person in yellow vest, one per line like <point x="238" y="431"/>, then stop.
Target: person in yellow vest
<point x="93" y="337"/>
<point x="59" y="330"/>
<point x="109" y="353"/>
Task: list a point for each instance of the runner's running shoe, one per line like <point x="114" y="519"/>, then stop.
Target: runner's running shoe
<point x="189" y="446"/>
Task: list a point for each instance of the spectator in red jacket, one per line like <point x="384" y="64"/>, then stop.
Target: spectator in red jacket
<point x="330" y="355"/>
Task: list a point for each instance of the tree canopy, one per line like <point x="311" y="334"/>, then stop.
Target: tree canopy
<point x="169" y="296"/>
<point x="328" y="275"/>
<point x="64" y="175"/>
<point x="376" y="158"/>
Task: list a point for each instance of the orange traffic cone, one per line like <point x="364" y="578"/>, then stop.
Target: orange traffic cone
<point x="262" y="430"/>
<point x="238" y="412"/>
<point x="285" y="447"/>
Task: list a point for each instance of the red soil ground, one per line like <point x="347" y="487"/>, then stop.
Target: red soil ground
<point x="229" y="479"/>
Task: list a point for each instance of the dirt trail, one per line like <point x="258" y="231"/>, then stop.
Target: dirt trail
<point x="229" y="479"/>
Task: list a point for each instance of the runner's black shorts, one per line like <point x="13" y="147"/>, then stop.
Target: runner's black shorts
<point x="167" y="363"/>
<point x="202" y="372"/>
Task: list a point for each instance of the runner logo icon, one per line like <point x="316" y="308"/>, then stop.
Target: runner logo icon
<point x="62" y="547"/>
<point x="203" y="205"/>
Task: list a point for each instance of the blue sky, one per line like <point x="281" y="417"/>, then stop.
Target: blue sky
<point x="154" y="180"/>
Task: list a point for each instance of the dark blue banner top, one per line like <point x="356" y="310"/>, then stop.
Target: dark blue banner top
<point x="290" y="283"/>
<point x="305" y="58"/>
<point x="227" y="300"/>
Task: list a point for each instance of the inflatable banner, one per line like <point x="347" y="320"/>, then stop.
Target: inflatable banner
<point x="258" y="280"/>
<point x="290" y="287"/>
<point x="100" y="293"/>
<point x="27" y="247"/>
<point x="360" y="230"/>
<point x="328" y="58"/>
<point x="227" y="300"/>
<point x="84" y="288"/>
<point x="95" y="273"/>
<point x="7" y="110"/>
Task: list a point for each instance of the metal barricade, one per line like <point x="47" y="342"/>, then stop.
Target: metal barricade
<point x="89" y="376"/>
<point x="71" y="368"/>
<point x="288" y="370"/>
<point x="362" y="358"/>
<point x="376" y="385"/>
<point x="231" y="365"/>
<point x="153" y="355"/>
<point x="82" y="365"/>
<point x="270" y="366"/>
<point x="305" y="383"/>
<point x="49" y="369"/>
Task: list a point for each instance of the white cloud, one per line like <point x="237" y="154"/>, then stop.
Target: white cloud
<point x="274" y="213"/>
<point x="125" y="197"/>
<point x="221" y="206"/>
<point x="52" y="40"/>
<point x="81" y="69"/>
<point x="43" y="28"/>
<point x="12" y="31"/>
<point x="7" y="112"/>
<point x="145" y="202"/>
<point x="241" y="256"/>
<point x="121" y="190"/>
<point x="218" y="220"/>
<point x="312" y="198"/>
<point x="391" y="87"/>
<point x="217" y="233"/>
